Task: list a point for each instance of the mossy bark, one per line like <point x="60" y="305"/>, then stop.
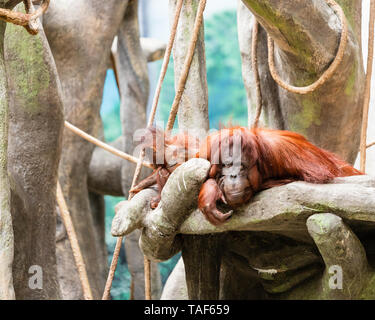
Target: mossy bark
<point x="35" y="132"/>
<point x="6" y="227"/>
<point x="304" y="48"/>
<point x="193" y="109"/>
<point x="80" y="34"/>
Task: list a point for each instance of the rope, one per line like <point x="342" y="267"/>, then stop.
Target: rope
<point x="366" y="102"/>
<point x="65" y="215"/>
<point x="24" y="19"/>
<point x="370" y="145"/>
<point x="116" y="253"/>
<point x="186" y="66"/>
<point x="147" y="266"/>
<point x="326" y="74"/>
<point x="32" y="27"/>
<point x="105" y="146"/>
<point x="254" y="66"/>
<point x="164" y="66"/>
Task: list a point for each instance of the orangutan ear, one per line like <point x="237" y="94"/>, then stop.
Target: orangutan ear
<point x="255" y="178"/>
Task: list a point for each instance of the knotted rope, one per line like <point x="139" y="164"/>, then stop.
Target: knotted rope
<point x="26" y="20"/>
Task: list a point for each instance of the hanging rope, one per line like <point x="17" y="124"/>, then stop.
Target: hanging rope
<point x="67" y="220"/>
<point x="24" y="19"/>
<point x="254" y="66"/>
<point x="326" y="74"/>
<point x="186" y="66"/>
<point x="116" y="253"/>
<point x="366" y="102"/>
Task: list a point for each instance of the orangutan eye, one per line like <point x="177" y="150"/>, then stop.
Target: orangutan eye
<point x="243" y="167"/>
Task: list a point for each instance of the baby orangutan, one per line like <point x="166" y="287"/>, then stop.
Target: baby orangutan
<point x="168" y="152"/>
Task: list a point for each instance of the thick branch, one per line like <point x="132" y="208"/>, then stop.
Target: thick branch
<point x="282" y="210"/>
<point x="153" y="49"/>
<point x="339" y="246"/>
<point x="193" y="108"/>
<point x="304" y="50"/>
<point x="285" y="209"/>
<point x="158" y="239"/>
<point x="311" y="42"/>
<point x="6" y="229"/>
<point x="104" y="176"/>
<point x="81" y="54"/>
<point x="35" y="132"/>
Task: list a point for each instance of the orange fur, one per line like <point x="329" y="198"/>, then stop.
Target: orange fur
<point x="178" y="149"/>
<point x="281" y="154"/>
<point x="272" y="158"/>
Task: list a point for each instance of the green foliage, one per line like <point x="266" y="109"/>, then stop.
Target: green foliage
<point x="227" y="98"/>
<point x="112" y="123"/>
<point x="167" y="92"/>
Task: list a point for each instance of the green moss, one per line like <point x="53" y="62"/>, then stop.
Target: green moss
<point x="308" y="116"/>
<point x="190" y="14"/>
<point x="351" y="80"/>
<point x="3" y="111"/>
<point x="296" y="38"/>
<point x="348" y="6"/>
<point x="29" y="72"/>
<point x="369" y="292"/>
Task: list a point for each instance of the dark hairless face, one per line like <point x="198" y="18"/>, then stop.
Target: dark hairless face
<point x="234" y="176"/>
<point x="234" y="183"/>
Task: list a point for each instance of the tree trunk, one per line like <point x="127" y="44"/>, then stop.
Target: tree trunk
<point x="202" y="259"/>
<point x="271" y="113"/>
<point x="104" y="176"/>
<point x="304" y="48"/>
<point x="35" y="131"/>
<point x="80" y="34"/>
<point x="134" y="87"/>
<point x="193" y="109"/>
<point x="6" y="229"/>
